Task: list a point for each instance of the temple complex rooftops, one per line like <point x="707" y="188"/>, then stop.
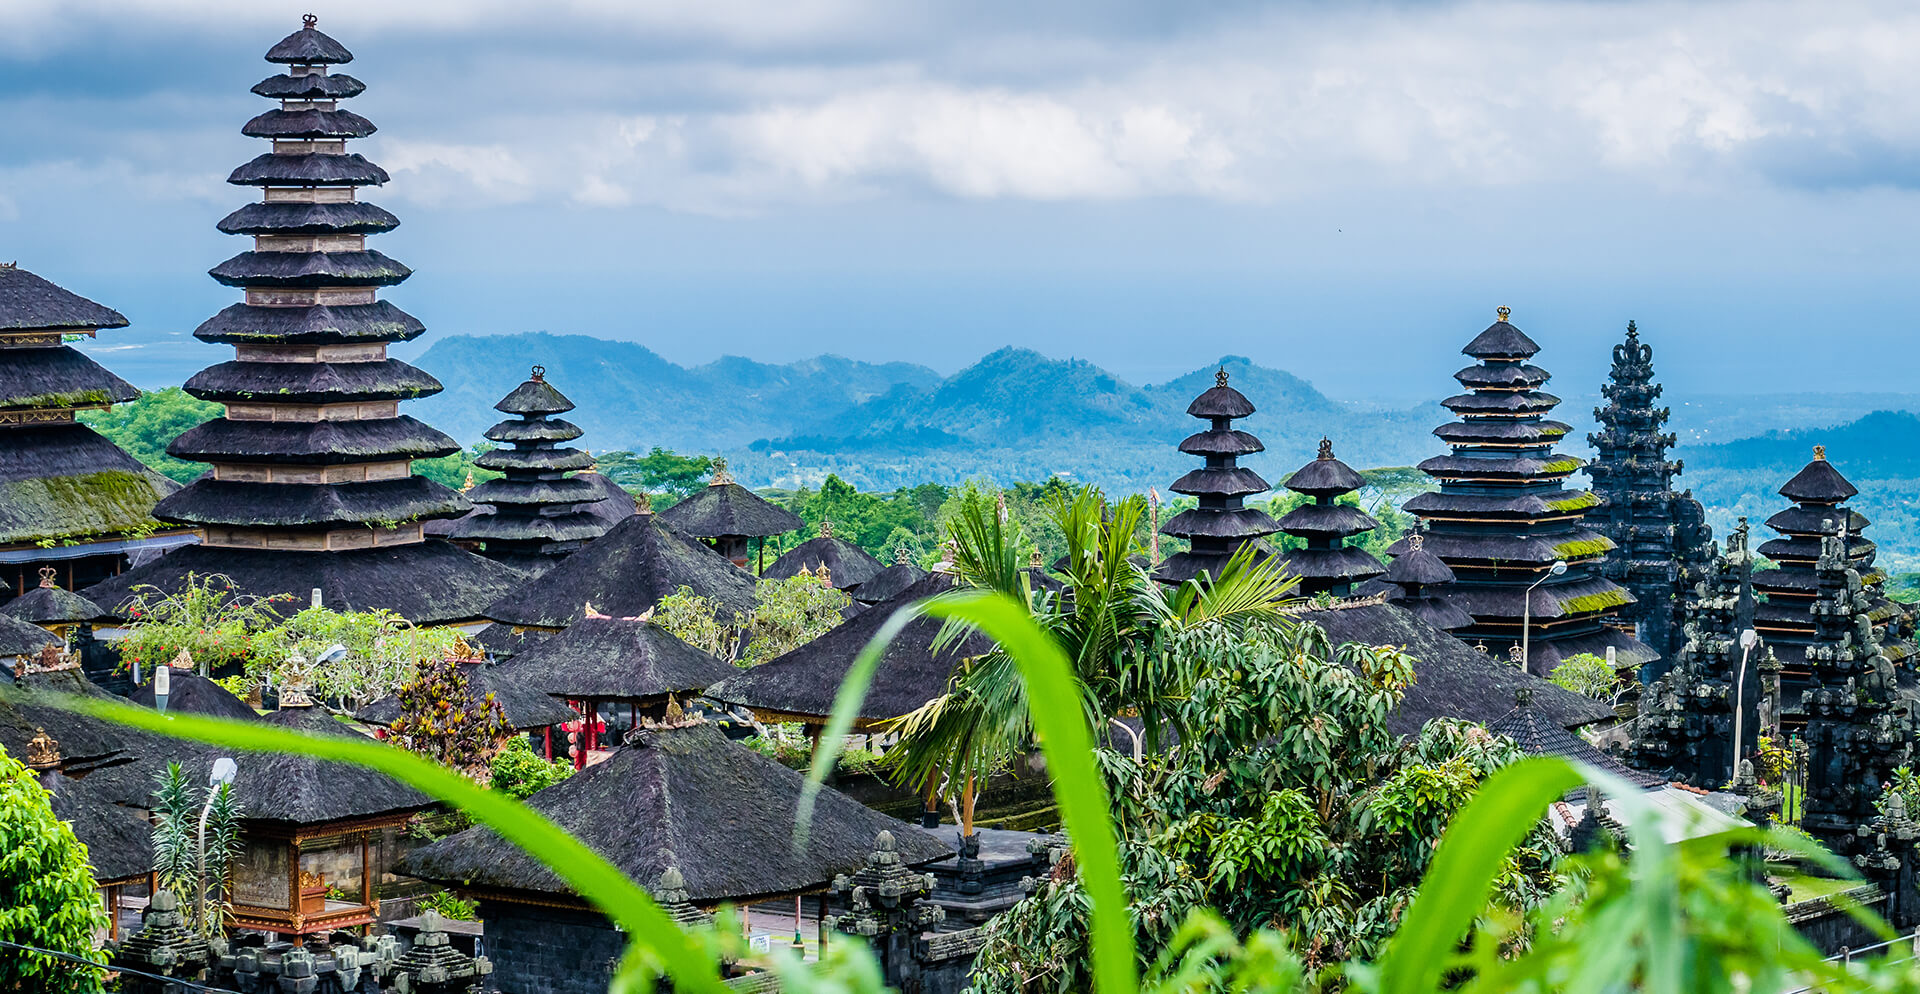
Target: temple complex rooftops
<point x="1220" y="524"/>
<point x="624" y="573"/>
<point x="727" y="514"/>
<point x="625" y="659"/>
<point x="687" y="798"/>
<point x="891" y="581"/>
<point x="190" y="693"/>
<point x="847" y="565"/>
<point x="50" y="605"/>
<point x="524" y="706"/>
<point x="1419" y="581"/>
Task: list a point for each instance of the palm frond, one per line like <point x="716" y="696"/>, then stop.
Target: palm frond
<point x="1248" y="588"/>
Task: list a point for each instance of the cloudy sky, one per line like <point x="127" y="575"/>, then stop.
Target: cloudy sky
<point x="1343" y="190"/>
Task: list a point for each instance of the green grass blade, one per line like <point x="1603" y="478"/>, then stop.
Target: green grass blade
<point x="1455" y="889"/>
<point x="684" y="958"/>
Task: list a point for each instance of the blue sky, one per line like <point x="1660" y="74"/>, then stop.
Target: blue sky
<point x="1342" y="190"/>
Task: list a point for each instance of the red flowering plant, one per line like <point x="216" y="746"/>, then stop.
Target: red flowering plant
<point x="445" y="720"/>
<point x="217" y="626"/>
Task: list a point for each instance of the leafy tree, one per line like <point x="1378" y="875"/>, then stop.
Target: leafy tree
<point x="441" y="719"/>
<point x="518" y="771"/>
<point x="183" y="864"/>
<point x="145" y="426"/>
<point x="786" y="615"/>
<point x="878" y="523"/>
<point x="384" y="652"/>
<point x="454" y="469"/>
<point x="50" y="899"/>
<point x="217" y="626"/>
<point x="1586" y="674"/>
<point x="697" y="621"/>
<point x="661" y="473"/>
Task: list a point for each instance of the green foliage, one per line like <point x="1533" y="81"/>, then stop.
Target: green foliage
<point x="217" y="626"/>
<point x="791" y="749"/>
<point x="442" y="719"/>
<point x="1588" y="675"/>
<point x="448" y="906"/>
<point x="518" y="772"/>
<point x="196" y="873"/>
<point x="455" y="468"/>
<point x="696" y="620"/>
<point x="145" y="427"/>
<point x="876" y="522"/>
<point x="663" y="475"/>
<point x="384" y="652"/>
<point x="1393" y="522"/>
<point x="50" y="901"/>
<point x="786" y="615"/>
<point x="1906" y="784"/>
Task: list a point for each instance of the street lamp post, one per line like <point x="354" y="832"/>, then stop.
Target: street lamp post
<point x="223" y="772"/>
<point x="1526" y="611"/>
<point x="1748" y="639"/>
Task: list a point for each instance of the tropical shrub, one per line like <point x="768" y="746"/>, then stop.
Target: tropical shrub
<point x="1587" y="675"/>
<point x="786" y="615"/>
<point x="449" y="906"/>
<point x="218" y="627"/>
<point x="50" y="901"/>
<point x="194" y="870"/>
<point x="384" y="653"/>
<point x="441" y="719"/>
<point x="519" y="772"/>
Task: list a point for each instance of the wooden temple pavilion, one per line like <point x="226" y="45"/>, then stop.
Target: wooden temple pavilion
<point x="1503" y="515"/>
<point x="1661" y="539"/>
<point x="311" y="484"/>
<point x="847" y="565"/>
<point x="1786" y="618"/>
<point x="1221" y="524"/>
<point x="624" y="573"/>
<point x="727" y="515"/>
<point x="119" y="841"/>
<point x="679" y="797"/>
<point x="536" y="510"/>
<point x="70" y="499"/>
<point x="1327" y="564"/>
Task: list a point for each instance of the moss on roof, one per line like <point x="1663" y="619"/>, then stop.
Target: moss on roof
<point x="57" y="508"/>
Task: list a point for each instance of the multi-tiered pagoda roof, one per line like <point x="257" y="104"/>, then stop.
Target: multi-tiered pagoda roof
<point x="1661" y="537"/>
<point x="1221" y="524"/>
<point x="1787" y="618"/>
<point x="538" y="509"/>
<point x="1327" y="564"/>
<point x="311" y="483"/>
<point x="1503" y="515"/>
<point x="69" y="498"/>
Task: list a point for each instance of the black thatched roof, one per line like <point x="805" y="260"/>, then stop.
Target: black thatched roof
<point x="888" y="583"/>
<point x="1818" y="482"/>
<point x="847" y="564"/>
<point x="311" y="382"/>
<point x="526" y="707"/>
<point x="1226" y="481"/>
<point x="195" y="694"/>
<point x="1220" y="400"/>
<point x="208" y="501"/>
<point x="66" y="481"/>
<point x="308" y="123"/>
<point x="312" y="86"/>
<point x="1501" y="340"/>
<point x="548" y="430"/>
<point x="616" y="504"/>
<point x="308" y="169"/>
<point x="1325" y="476"/>
<point x="21" y="638"/>
<point x="616" y="659"/>
<point x="1452" y="679"/>
<point x="1501" y="402"/>
<point x="324" y="443"/>
<point x="535" y="396"/>
<point x="1484" y="431"/>
<point x="687" y="798"/>
<point x="1344" y="563"/>
<point x="1540" y="735"/>
<point x="309" y="46"/>
<point x="1799" y="520"/>
<point x="86" y="743"/>
<point x="1237" y="522"/>
<point x="333" y="324"/>
<point x="119" y="839"/>
<point x="507" y="490"/>
<point x="537" y="461"/>
<point x="803" y="682"/>
<point x="280" y="218"/>
<point x="1221" y="442"/>
<point x="1418" y="567"/>
<point x="428" y="583"/>
<point x="1327" y="520"/>
<point x="1504" y="376"/>
<point x="309" y="269"/>
<point x="489" y="525"/>
<point x="56" y="378"/>
<point x="50" y="604"/>
<point x="28" y="302"/>
<point x="625" y="572"/>
<point x="503" y="642"/>
<point x="728" y="508"/>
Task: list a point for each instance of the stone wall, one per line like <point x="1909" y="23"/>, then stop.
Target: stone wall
<point x="539" y="950"/>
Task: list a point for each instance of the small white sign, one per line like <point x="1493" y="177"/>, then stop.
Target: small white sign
<point x="761" y="944"/>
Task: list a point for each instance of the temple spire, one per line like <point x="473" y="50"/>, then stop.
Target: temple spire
<point x="536" y="514"/>
<point x="1326" y="564"/>
<point x="1221" y="524"/>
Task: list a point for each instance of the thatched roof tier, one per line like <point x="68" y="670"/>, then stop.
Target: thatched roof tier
<point x="310" y="269"/>
<point x="623" y="573"/>
<point x="28" y="302"/>
<point x="1451" y="678"/>
<point x="311" y="382"/>
<point x="307" y="47"/>
<point x="1540" y="735"/>
<point x="1551" y="603"/>
<point x="502" y="642"/>
<point x="889" y="583"/>
<point x="1504" y="376"/>
<point x="335" y="324"/>
<point x="1501" y="402"/>
<point x="1531" y="503"/>
<point x="194" y="694"/>
<point x="119" y="839"/>
<point x="1327" y="520"/>
<point x="684" y="797"/>
<point x="51" y="604"/>
<point x="1327" y="565"/>
<point x="547" y="430"/>
<point x="308" y="123"/>
<point x="615" y="504"/>
<point x="1325" y="476"/>
<point x="315" y="443"/>
<point x="20" y="638"/>
<point x="1220" y="401"/>
<point x="1238" y="522"/>
<point x="525" y="706"/>
<point x="284" y="218"/>
<point x="1493" y="432"/>
<point x="537" y="492"/>
<point x="310" y="505"/>
<point x="309" y="169"/>
<point x="1818" y="483"/>
<point x="848" y="565"/>
<point x="616" y="659"/>
<point x="1813" y="520"/>
<point x="1468" y="549"/>
<point x="1806" y="548"/>
<point x="1189" y="565"/>
<point x="499" y="526"/>
<point x="1500" y="341"/>
<point x="283" y="789"/>
<point x="1535" y="466"/>
<point x="536" y="461"/>
<point x="85" y="742"/>
<point x="1220" y="480"/>
<point x="802" y="683"/>
<point x="53" y="378"/>
<point x="535" y="396"/>
<point x="428" y="583"/>
<point x="310" y="86"/>
<point x="1221" y="442"/>
<point x="1417" y="566"/>
<point x="729" y="509"/>
<point x="62" y="481"/>
<point x="1340" y="565"/>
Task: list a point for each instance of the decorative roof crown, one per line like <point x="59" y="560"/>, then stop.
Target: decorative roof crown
<point x="47" y="574"/>
<point x="1220" y="377"/>
<point x="721" y="476"/>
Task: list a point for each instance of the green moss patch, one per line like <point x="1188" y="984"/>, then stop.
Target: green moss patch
<point x="1578" y="502"/>
<point x="1582" y="547"/>
<point x="1595" y="602"/>
<point x="58" y="508"/>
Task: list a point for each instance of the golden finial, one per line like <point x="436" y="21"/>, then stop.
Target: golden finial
<point x="43" y="753"/>
<point x="1220" y="377"/>
<point x="47" y="574"/>
<point x="826" y="576"/>
<point x="1033" y="559"/>
<point x="464" y="487"/>
<point x="1819" y="453"/>
<point x="826" y="528"/>
<point x="1504" y="312"/>
<point x="901" y="556"/>
<point x="1415" y="541"/>
<point x="539" y="374"/>
<point x="720" y="475"/>
<point x="1326" y="448"/>
<point x="676" y="715"/>
<point x="182" y="661"/>
<point x="642" y="504"/>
